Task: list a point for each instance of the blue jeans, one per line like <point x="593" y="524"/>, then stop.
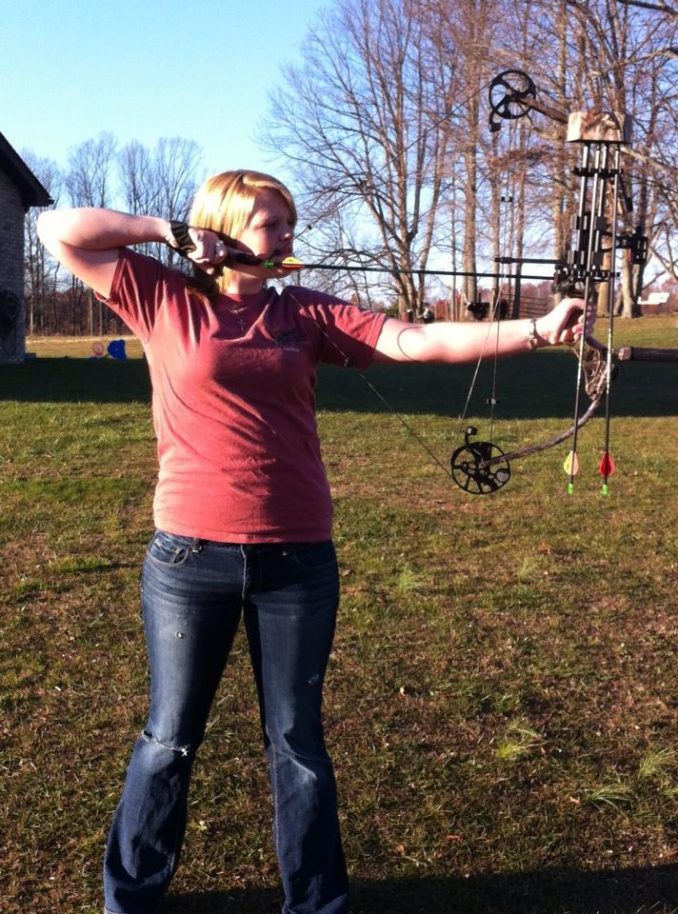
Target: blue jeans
<point x="193" y="594"/>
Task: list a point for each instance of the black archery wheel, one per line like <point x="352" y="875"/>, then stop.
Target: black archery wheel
<point x="509" y="93"/>
<point x="479" y="467"/>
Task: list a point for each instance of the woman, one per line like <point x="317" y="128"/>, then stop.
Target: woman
<point x="242" y="507"/>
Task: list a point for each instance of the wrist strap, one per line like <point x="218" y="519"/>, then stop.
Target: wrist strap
<point x="179" y="238"/>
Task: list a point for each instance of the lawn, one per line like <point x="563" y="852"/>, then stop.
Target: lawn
<point x="502" y="697"/>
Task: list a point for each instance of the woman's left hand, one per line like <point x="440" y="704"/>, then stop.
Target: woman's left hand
<point x="565" y="323"/>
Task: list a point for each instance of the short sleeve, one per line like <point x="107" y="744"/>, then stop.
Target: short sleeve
<point x="140" y="286"/>
<point x="346" y="335"/>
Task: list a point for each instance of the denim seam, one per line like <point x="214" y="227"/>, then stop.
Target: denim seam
<point x="244" y="573"/>
<point x="276" y="803"/>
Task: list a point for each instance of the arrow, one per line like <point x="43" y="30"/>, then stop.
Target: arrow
<point x="293" y="265"/>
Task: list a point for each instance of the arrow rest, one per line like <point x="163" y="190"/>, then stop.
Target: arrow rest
<point x="479" y="467"/>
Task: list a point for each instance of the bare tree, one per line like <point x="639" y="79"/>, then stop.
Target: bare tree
<point x="88" y="179"/>
<point x="464" y="32"/>
<point x="88" y="182"/>
<point x="176" y="163"/>
<point x="614" y="58"/>
<point x="665" y="243"/>
<point x="365" y="124"/>
<point x="160" y="182"/>
<point x="40" y="270"/>
<point x="138" y="186"/>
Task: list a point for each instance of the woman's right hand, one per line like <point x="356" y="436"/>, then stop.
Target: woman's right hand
<point x="205" y="248"/>
<point x="210" y="250"/>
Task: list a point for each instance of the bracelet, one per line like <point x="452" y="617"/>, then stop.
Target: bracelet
<point x="533" y="338"/>
<point x="179" y="238"/>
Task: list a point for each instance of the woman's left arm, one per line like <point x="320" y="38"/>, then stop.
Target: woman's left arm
<point x="466" y="342"/>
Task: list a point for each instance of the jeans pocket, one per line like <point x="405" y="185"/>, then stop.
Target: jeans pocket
<point x="168" y="549"/>
<point x="312" y="555"/>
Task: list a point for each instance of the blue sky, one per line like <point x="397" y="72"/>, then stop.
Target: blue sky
<point x="146" y="69"/>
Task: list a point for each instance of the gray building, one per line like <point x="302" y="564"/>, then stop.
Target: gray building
<point x="19" y="190"/>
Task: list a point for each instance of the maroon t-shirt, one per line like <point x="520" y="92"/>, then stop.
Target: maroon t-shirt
<point x="234" y="401"/>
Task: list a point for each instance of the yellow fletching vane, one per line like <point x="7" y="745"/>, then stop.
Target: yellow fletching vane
<point x="291" y="263"/>
<point x="571" y="465"/>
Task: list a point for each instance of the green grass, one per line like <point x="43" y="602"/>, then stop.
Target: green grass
<point x="501" y="703"/>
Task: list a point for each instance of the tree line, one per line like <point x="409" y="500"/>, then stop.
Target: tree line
<point x="385" y="126"/>
<point x="383" y="135"/>
<point x="157" y="181"/>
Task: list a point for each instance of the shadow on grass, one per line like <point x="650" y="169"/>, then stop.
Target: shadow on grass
<point x="652" y="890"/>
<point x="529" y="387"/>
<point x="75" y="381"/>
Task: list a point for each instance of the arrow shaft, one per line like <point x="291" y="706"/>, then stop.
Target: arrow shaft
<point x="413" y="272"/>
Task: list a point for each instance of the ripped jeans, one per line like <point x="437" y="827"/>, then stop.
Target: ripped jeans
<point x="193" y="594"/>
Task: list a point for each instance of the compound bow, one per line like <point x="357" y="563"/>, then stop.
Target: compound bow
<point x="481" y="467"/>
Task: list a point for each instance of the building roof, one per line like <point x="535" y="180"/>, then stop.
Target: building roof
<point x="31" y="190"/>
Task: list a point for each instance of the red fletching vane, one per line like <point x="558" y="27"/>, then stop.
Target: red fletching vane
<point x="607" y="465"/>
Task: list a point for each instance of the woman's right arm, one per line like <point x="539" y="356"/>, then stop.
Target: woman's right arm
<point x="86" y="241"/>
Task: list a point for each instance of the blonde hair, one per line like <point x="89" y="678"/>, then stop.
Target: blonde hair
<point x="224" y="203"/>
